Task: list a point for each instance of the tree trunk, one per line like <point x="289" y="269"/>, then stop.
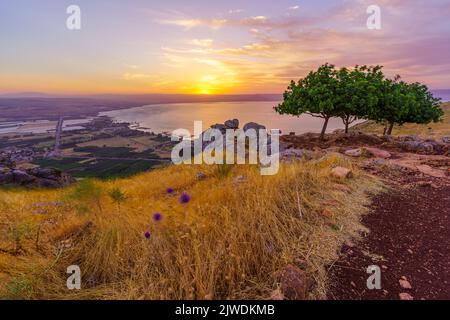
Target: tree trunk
<point x="346" y="127"/>
<point x="324" y="128"/>
<point x="391" y="126"/>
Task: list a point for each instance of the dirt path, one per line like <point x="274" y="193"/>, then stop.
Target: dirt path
<point x="409" y="237"/>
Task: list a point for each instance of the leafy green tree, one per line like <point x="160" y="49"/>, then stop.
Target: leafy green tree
<point x="315" y="95"/>
<point x="401" y="103"/>
<point x="358" y="92"/>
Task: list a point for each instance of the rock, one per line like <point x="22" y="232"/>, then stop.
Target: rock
<point x="201" y="176"/>
<point x="378" y="153"/>
<point x="221" y="127"/>
<point x="327" y="213"/>
<point x="22" y="178"/>
<point x="296" y="154"/>
<point x="294" y="283"/>
<point x="426" y="169"/>
<point x="426" y="147"/>
<point x="35" y="177"/>
<point x="405" y="296"/>
<point x="411" y="138"/>
<point x="47" y="183"/>
<point x="240" y="179"/>
<point x="445" y="139"/>
<point x="341" y="172"/>
<point x="405" y="284"/>
<point x="254" y="125"/>
<point x="276" y="295"/>
<point x="354" y="152"/>
<point x="6" y="177"/>
<point x="232" y="124"/>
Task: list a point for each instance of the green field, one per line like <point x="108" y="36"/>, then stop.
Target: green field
<point x="102" y="169"/>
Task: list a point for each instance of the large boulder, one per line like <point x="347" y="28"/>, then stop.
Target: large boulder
<point x="232" y="124"/>
<point x="254" y="125"/>
<point x="22" y="177"/>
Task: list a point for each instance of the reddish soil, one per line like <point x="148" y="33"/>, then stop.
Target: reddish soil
<point x="410" y="231"/>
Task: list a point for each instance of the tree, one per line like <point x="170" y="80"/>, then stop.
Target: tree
<point x="358" y="92"/>
<point x="401" y="103"/>
<point x="315" y="95"/>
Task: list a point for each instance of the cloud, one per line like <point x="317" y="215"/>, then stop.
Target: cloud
<point x="202" y="42"/>
<point x="191" y="23"/>
<point x="280" y="48"/>
<point x="136" y="76"/>
<point x="294" y="8"/>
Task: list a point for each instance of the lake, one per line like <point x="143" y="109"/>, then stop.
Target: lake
<point x="168" y="117"/>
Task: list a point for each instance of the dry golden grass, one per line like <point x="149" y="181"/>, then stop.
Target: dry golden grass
<point x="432" y="130"/>
<point x="229" y="242"/>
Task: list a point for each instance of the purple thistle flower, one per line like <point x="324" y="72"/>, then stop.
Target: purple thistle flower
<point x="157" y="216"/>
<point x="170" y="190"/>
<point x="185" y="198"/>
<point x="147" y="235"/>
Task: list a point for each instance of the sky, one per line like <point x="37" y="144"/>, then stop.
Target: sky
<point x="214" y="47"/>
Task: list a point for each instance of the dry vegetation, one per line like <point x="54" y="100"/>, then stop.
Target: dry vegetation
<point x="231" y="240"/>
<point x="432" y="130"/>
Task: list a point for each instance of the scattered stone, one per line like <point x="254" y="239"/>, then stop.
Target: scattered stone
<point x="354" y="152"/>
<point x="277" y="295"/>
<point x="240" y="179"/>
<point x="405" y="296"/>
<point x="296" y="154"/>
<point x="445" y="139"/>
<point x="294" y="283"/>
<point x="405" y="284"/>
<point x="378" y="153"/>
<point x="201" y="176"/>
<point x="327" y="213"/>
<point x="341" y="172"/>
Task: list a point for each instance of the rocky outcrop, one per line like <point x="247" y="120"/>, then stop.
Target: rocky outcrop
<point x="36" y="177"/>
<point x="232" y="124"/>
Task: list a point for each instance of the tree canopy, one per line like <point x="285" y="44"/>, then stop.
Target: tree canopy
<point x="359" y="93"/>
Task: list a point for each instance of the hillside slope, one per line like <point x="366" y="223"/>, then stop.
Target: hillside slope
<point x="233" y="239"/>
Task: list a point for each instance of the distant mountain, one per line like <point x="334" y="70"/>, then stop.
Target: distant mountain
<point x="444" y="94"/>
<point x="24" y="95"/>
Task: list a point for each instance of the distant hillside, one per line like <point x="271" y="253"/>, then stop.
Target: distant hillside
<point x="51" y="108"/>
